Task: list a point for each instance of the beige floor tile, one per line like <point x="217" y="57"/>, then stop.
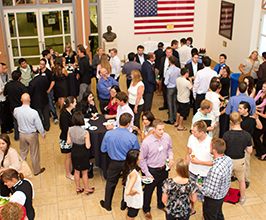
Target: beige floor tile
<point x="230" y="210"/>
<point x="97" y="210"/>
<point x="241" y="217"/>
<point x="71" y="201"/>
<point x="46" y="212"/>
<point x="72" y="214"/>
<point x="257" y="212"/>
<point x="105" y="217"/>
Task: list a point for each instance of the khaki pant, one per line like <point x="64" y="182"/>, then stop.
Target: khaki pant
<point x="216" y="130"/>
<point x="30" y="140"/>
<point x="239" y="168"/>
<point x="247" y="161"/>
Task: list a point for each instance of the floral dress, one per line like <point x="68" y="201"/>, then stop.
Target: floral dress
<point x="178" y="204"/>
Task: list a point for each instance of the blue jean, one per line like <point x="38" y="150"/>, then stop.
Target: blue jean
<point x="51" y="104"/>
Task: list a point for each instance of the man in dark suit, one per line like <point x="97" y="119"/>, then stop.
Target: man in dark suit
<point x="148" y="78"/>
<point x="159" y="53"/>
<point x="261" y="73"/>
<point x="174" y="46"/>
<point x="163" y="67"/>
<point x="141" y="57"/>
<point x="38" y="87"/>
<point x="194" y="66"/>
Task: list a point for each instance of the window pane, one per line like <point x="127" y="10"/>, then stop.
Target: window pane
<point x="93" y="1"/>
<point x="93" y="19"/>
<point x="25" y="2"/>
<point x="7" y="2"/>
<point x="49" y="1"/>
<point x="66" y="22"/>
<point x="31" y="61"/>
<point x="27" y="24"/>
<point x="56" y="43"/>
<point x="12" y="25"/>
<point x="67" y="1"/>
<point x="262" y="46"/>
<point x="52" y="23"/>
<point x="29" y="47"/>
<point x="263" y="26"/>
<point x="14" y="44"/>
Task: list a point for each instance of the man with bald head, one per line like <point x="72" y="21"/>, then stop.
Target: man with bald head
<point x="104" y="86"/>
<point x="28" y="121"/>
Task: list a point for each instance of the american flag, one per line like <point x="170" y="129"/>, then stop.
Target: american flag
<point x="163" y="16"/>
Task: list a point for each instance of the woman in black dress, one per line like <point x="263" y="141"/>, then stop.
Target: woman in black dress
<point x="87" y="105"/>
<point x="80" y="152"/>
<point x="65" y="122"/>
<point x="22" y="190"/>
<point x="60" y="74"/>
<point x="69" y="55"/>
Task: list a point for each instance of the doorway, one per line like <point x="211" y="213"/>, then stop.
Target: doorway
<point x="30" y="32"/>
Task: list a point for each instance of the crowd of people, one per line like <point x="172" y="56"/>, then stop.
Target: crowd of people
<point x="219" y="146"/>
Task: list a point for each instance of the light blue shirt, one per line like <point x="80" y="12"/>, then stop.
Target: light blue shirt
<point x="199" y="61"/>
<point x="102" y="86"/>
<point x="234" y="101"/>
<point x="118" y="142"/>
<point x="171" y="75"/>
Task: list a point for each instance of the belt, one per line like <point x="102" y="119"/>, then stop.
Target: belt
<point x="159" y="168"/>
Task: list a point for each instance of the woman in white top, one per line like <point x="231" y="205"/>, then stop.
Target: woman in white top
<point x="135" y="95"/>
<point x="133" y="194"/>
<point x="9" y="159"/>
<point x="251" y="64"/>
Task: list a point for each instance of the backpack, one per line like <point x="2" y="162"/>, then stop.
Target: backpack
<point x="232" y="196"/>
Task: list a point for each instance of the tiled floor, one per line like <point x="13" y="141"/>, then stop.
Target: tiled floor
<point x="55" y="196"/>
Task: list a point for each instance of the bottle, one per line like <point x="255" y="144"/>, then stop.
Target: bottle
<point x="224" y="104"/>
<point x="199" y="180"/>
<point x="167" y="164"/>
<point x="192" y="155"/>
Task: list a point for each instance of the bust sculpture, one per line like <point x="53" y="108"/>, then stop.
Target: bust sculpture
<point x="109" y="36"/>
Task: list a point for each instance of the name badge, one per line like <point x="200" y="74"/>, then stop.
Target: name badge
<point x="160" y="148"/>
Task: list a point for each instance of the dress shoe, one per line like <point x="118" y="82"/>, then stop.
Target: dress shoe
<point x="168" y="122"/>
<point x="104" y="206"/>
<point x="90" y="192"/>
<point x="148" y="216"/>
<point x="163" y="209"/>
<point x="247" y="184"/>
<point x="41" y="171"/>
<point x="9" y="131"/>
<point x="162" y="108"/>
<point x="79" y="190"/>
<point x="233" y="178"/>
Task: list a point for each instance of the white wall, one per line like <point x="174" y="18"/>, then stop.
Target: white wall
<point x="245" y="31"/>
<point x="120" y="15"/>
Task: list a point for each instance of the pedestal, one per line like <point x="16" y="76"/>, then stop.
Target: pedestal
<point x="109" y="45"/>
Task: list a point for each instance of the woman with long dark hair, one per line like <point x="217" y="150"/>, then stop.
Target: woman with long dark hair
<point x="80" y="152"/>
<point x="251" y="91"/>
<point x="111" y="108"/>
<point x="22" y="190"/>
<point x="60" y="74"/>
<point x="65" y="122"/>
<point x="225" y="80"/>
<point x="133" y="194"/>
<point x="87" y="105"/>
<point x="9" y="159"/>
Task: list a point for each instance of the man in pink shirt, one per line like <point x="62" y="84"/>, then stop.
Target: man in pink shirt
<point x="154" y="151"/>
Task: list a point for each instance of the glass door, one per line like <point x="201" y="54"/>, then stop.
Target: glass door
<point x="57" y="28"/>
<point x="31" y="32"/>
<point x="23" y="36"/>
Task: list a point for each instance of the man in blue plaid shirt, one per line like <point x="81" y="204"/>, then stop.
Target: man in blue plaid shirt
<point x="217" y="182"/>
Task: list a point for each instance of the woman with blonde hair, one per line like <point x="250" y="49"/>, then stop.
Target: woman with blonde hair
<point x="135" y="95"/>
<point x="69" y="55"/>
<point x="104" y="63"/>
<point x="250" y="66"/>
<point x="60" y="74"/>
<point x="178" y="192"/>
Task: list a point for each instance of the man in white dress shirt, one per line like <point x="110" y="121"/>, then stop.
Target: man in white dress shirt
<point x="184" y="52"/>
<point x="123" y="107"/>
<point x="116" y="64"/>
<point x="214" y="96"/>
<point x="202" y="81"/>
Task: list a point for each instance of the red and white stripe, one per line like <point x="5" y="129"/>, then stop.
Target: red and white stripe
<point x="180" y="13"/>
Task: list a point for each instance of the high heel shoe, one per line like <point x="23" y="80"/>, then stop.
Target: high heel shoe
<point x="79" y="190"/>
<point x="90" y="192"/>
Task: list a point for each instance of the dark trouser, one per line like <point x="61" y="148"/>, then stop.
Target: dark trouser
<point x="164" y="94"/>
<point x="212" y="209"/>
<point x="16" y="133"/>
<point x="44" y="115"/>
<point x="113" y="174"/>
<point x="148" y="97"/>
<point x="128" y="82"/>
<point x="137" y="116"/>
<point x="170" y="217"/>
<point x="51" y="105"/>
<point x="159" y="176"/>
<point x="224" y="124"/>
<point x="172" y="104"/>
<point x="103" y="104"/>
<point x="31" y="214"/>
<point x="4" y="190"/>
<point x="198" y="100"/>
<point x="6" y="117"/>
<point x="258" y="145"/>
<point x="259" y="86"/>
